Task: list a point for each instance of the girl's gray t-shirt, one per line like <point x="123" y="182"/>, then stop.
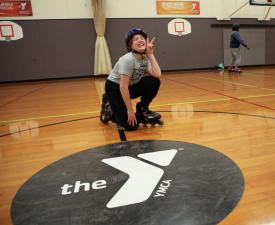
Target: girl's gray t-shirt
<point x="130" y="66"/>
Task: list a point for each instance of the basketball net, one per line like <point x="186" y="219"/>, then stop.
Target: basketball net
<point x="8" y="39"/>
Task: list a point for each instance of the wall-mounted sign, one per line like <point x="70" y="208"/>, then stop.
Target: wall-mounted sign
<point x="165" y="7"/>
<point x="11" y="8"/>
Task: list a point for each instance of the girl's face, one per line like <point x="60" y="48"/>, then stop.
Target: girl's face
<point x="139" y="43"/>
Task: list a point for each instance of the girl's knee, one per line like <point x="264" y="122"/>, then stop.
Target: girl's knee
<point x="154" y="81"/>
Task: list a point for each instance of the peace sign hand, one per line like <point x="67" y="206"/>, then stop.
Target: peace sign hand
<point x="150" y="46"/>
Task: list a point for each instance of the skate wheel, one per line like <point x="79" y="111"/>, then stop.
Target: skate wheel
<point x="144" y="122"/>
<point x="160" y="122"/>
<point x="103" y="117"/>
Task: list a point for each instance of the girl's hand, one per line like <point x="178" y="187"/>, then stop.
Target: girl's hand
<point x="150" y="46"/>
<point x="132" y="120"/>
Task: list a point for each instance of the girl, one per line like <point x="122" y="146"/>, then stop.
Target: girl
<point x="136" y="74"/>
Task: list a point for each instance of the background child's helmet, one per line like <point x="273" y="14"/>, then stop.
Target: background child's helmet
<point x="131" y="34"/>
<point x="235" y="27"/>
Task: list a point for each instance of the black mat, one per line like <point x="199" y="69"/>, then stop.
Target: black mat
<point x="163" y="183"/>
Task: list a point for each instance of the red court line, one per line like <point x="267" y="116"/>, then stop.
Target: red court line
<point x="22" y="96"/>
<point x="218" y="93"/>
<point x="266" y="75"/>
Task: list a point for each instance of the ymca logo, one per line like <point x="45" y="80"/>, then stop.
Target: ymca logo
<point x="23" y="5"/>
<point x="143" y="178"/>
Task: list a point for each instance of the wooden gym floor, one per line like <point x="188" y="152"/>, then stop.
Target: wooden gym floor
<point x="41" y="122"/>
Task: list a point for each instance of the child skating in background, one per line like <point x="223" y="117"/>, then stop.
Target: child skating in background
<point x="235" y="42"/>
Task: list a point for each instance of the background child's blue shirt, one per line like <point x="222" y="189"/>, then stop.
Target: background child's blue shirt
<point x="236" y="40"/>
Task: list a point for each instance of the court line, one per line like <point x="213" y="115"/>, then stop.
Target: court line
<point x="220" y="112"/>
<point x="254" y="74"/>
<point x="5" y="122"/>
<point x="22" y="96"/>
<point x="100" y="89"/>
<point x="48" y="117"/>
<point x="214" y="100"/>
<point x="219" y="93"/>
<point x="260" y="75"/>
<point x="199" y="111"/>
<point x="47" y="125"/>
<point x="246" y="85"/>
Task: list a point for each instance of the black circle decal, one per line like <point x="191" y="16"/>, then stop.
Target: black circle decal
<point x="132" y="183"/>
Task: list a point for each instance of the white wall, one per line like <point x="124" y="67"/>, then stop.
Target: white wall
<point x="248" y="11"/>
<point x="79" y="9"/>
<point x="58" y="9"/>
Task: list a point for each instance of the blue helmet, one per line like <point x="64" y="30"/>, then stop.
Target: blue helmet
<point x="131" y="34"/>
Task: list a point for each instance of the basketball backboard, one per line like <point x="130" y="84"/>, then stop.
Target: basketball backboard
<point x="262" y="2"/>
<point x="10" y="31"/>
<point x="179" y="27"/>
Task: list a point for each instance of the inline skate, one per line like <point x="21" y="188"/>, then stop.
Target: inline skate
<point x="146" y="116"/>
<point x="106" y="114"/>
<point x="234" y="70"/>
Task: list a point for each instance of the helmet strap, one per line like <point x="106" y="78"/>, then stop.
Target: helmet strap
<point x="136" y="52"/>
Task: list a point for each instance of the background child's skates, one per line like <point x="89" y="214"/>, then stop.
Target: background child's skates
<point x="234" y="70"/>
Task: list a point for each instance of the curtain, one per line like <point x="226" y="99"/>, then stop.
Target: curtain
<point x="102" y="63"/>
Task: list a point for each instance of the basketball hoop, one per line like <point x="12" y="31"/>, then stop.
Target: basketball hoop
<point x="179" y="27"/>
<point x="8" y="38"/>
<point x="10" y="31"/>
<point x="262" y="2"/>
